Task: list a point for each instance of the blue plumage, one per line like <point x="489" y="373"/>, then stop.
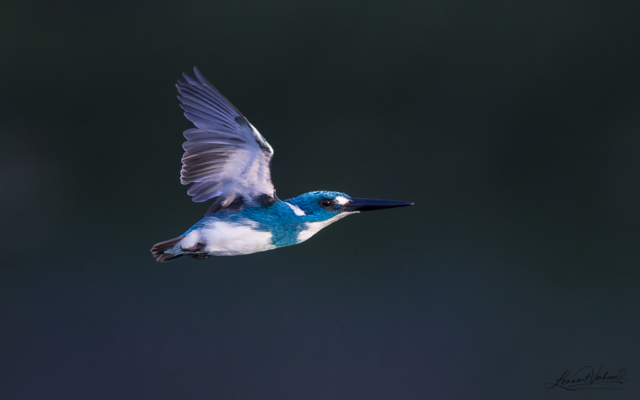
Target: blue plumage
<point x="279" y="219"/>
<point x="227" y="160"/>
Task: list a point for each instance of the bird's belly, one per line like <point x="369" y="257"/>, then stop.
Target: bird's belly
<point x="231" y="239"/>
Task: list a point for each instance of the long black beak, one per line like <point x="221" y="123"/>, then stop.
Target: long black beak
<point x="356" y="204"/>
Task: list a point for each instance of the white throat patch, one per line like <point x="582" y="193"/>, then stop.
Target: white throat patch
<point x="314" y="227"/>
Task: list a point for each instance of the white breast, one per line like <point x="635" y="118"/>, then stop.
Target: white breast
<point x="230" y="239"/>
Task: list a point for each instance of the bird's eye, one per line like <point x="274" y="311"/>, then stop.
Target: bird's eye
<point x="326" y="203"/>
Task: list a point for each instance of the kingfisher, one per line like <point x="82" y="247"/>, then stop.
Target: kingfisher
<point x="227" y="161"/>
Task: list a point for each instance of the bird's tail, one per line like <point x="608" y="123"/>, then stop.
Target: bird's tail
<point x="158" y="250"/>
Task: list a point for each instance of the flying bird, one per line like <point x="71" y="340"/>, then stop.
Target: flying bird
<point x="227" y="161"/>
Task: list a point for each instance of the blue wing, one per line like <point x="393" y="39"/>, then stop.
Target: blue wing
<point x="225" y="159"/>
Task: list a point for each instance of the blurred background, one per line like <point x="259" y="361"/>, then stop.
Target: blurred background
<point x="513" y="126"/>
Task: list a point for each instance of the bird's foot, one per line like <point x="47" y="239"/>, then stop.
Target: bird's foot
<point x="200" y="256"/>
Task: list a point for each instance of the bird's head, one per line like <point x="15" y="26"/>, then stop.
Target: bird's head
<point x="323" y="205"/>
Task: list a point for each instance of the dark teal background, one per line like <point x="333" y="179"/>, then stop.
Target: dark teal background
<point x="513" y="126"/>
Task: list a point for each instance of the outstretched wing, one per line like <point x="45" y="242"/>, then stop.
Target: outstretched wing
<point x="225" y="159"/>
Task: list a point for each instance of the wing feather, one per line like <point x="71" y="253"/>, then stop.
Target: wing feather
<point x="225" y="159"/>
